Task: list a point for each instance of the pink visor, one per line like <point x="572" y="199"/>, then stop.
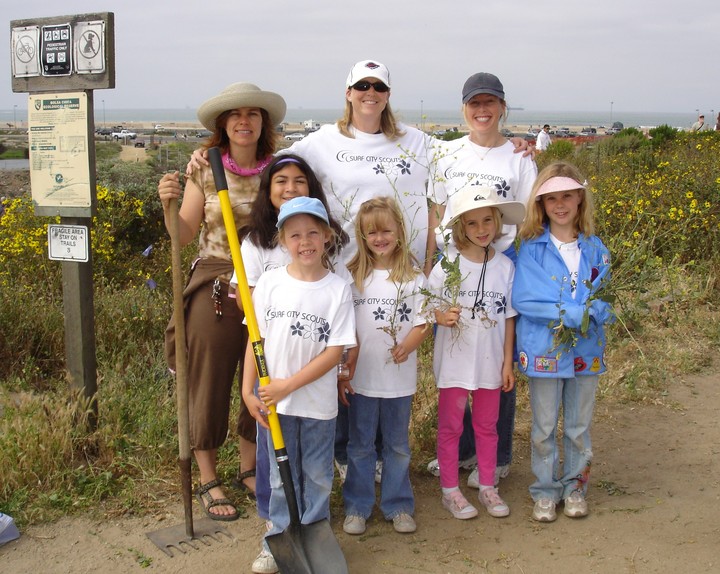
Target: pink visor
<point x="558" y="183"/>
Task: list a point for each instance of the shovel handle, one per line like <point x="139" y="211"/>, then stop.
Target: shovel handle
<point x="253" y="331"/>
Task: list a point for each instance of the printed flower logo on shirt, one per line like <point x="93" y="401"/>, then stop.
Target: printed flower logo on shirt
<point x="297" y="329"/>
<point x="404" y="167"/>
<point x="501" y="306"/>
<point x="403" y="312"/>
<point x="323" y="332"/>
<point x="379" y="168"/>
<point x="379" y="314"/>
<point x="502" y="189"/>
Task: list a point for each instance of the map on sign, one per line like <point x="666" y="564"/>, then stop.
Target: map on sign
<point x="59" y="153"/>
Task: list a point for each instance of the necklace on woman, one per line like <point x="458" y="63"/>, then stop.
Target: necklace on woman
<point x="488" y="149"/>
<point x="231" y="166"/>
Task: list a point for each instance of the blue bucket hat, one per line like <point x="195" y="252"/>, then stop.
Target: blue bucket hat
<point x="298" y="205"/>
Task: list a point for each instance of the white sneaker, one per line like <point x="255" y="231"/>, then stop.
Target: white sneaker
<point x="378" y="471"/>
<point x="544" y="510"/>
<point x="354" y="524"/>
<point x="404" y="523"/>
<point x="342" y="471"/>
<point x="434" y="467"/>
<point x="458" y="505"/>
<point x="467" y="464"/>
<point x="264" y="563"/>
<point x="490" y="499"/>
<point x="474" y="479"/>
<point x="501" y="471"/>
<point x="575" y="506"/>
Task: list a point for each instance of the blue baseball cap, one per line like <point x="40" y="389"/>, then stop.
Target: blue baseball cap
<point x="298" y="205"/>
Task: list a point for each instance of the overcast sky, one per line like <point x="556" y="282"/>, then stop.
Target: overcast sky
<point x="565" y="55"/>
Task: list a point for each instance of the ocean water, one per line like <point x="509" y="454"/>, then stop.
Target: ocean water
<point x="413" y="117"/>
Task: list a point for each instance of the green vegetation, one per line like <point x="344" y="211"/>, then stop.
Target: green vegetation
<point x="657" y="210"/>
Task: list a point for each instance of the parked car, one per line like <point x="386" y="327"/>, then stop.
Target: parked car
<point x="297" y="136"/>
<point x="588" y="132"/>
<point x="507" y="133"/>
<point x="139" y="144"/>
<point x="103" y="131"/>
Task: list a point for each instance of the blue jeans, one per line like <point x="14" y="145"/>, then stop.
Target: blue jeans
<point x="309" y="447"/>
<point x="392" y="417"/>
<point x="341" y="434"/>
<point x="262" y="473"/>
<point x="505" y="430"/>
<point x="577" y="396"/>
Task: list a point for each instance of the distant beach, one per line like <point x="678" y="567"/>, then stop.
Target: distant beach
<point x="519" y="120"/>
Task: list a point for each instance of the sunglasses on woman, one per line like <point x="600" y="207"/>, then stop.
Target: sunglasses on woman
<point x="364" y="86"/>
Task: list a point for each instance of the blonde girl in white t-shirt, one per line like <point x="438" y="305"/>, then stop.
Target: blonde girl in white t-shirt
<point x="388" y="300"/>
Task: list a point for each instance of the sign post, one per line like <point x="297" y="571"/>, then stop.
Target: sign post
<point x="59" y="61"/>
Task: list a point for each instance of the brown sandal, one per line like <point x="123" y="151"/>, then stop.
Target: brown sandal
<point x="238" y="482"/>
<point x="207" y="502"/>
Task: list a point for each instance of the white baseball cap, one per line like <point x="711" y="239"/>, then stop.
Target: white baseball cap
<point x="368" y="69"/>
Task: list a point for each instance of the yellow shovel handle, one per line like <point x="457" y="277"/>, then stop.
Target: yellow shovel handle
<point x="243" y="287"/>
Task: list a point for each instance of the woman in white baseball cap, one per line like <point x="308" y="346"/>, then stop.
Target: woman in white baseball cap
<point x="242" y="118"/>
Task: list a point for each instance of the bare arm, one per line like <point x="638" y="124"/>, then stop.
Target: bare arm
<point x="278" y="389"/>
<point x="508" y="376"/>
<point x="435" y="216"/>
<point x="415" y="337"/>
<point x="254" y="405"/>
<point x="191" y="210"/>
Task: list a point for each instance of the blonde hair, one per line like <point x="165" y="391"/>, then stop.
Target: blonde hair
<point x="388" y="123"/>
<point x="374" y="214"/>
<point x="536" y="219"/>
<point x="458" y="229"/>
<point x="332" y="240"/>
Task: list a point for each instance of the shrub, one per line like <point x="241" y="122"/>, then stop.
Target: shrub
<point x="662" y="135"/>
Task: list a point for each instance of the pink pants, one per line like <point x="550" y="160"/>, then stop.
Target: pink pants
<point x="451" y="406"/>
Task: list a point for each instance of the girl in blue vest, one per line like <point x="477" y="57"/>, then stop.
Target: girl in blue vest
<point x="561" y="268"/>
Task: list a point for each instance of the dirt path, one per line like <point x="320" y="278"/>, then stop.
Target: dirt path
<point x="132" y="153"/>
<point x="654" y="499"/>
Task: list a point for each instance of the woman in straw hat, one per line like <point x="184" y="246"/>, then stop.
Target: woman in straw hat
<point x="243" y="119"/>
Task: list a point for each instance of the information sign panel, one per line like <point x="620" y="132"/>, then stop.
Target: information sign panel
<point x="68" y="242"/>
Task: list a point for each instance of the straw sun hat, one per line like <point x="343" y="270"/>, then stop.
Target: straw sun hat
<point x="242" y="95"/>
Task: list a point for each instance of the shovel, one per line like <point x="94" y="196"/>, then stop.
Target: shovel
<point x="301" y="548"/>
<point x="176" y="536"/>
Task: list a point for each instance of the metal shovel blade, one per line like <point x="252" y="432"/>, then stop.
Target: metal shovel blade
<point x="308" y="549"/>
<point x="176" y="538"/>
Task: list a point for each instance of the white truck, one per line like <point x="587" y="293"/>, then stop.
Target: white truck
<point x="124" y="134"/>
<point x="311" y="126"/>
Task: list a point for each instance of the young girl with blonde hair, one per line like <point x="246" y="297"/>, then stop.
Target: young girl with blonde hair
<point x="387" y="297"/>
<point x="474" y="341"/>
<point x="561" y="268"/>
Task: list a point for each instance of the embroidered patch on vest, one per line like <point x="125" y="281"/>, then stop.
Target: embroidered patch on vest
<point x="546" y="365"/>
<point x="523" y="360"/>
<point x="596" y="364"/>
<point x="580" y="364"/>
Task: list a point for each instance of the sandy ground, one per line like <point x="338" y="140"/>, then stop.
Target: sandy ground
<point x="654" y="499"/>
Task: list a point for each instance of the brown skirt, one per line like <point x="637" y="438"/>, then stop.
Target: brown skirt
<point x="215" y="352"/>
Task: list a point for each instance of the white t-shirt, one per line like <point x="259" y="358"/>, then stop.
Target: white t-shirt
<point x="464" y="163"/>
<point x="298" y="320"/>
<point x="570" y="253"/>
<point x="353" y="170"/>
<point x="474" y="359"/>
<point x="543" y="140"/>
<point x="376" y="375"/>
<point x="258" y="260"/>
